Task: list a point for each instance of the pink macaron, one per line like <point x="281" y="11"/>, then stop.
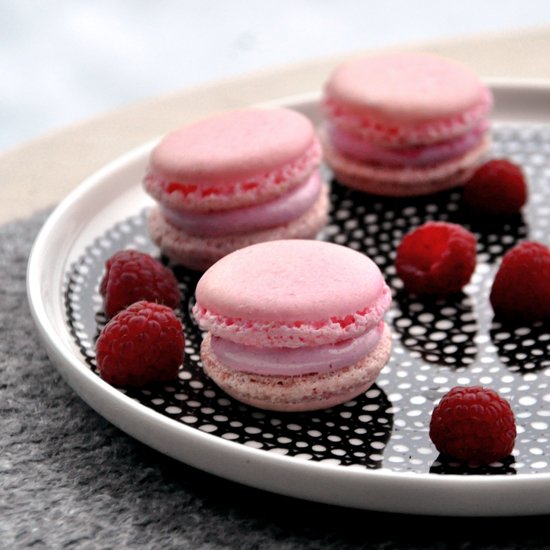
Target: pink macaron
<point x="235" y="179"/>
<point x="404" y="124"/>
<point x="293" y="325"/>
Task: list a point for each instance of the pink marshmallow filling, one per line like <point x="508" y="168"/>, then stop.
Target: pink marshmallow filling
<point x="358" y="148"/>
<point x="296" y="361"/>
<point x="279" y="211"/>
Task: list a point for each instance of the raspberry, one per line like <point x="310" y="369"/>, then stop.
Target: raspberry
<point x="141" y="344"/>
<point x="521" y="288"/>
<point x="132" y="276"/>
<point x="436" y="258"/>
<point x="497" y="187"/>
<point x="473" y="424"/>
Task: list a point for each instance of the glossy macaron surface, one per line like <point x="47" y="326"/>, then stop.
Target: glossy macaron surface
<point x="233" y="146"/>
<point x="291" y="281"/>
<point x="405" y="87"/>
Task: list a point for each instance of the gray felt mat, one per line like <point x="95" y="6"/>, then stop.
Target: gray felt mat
<point x="68" y="479"/>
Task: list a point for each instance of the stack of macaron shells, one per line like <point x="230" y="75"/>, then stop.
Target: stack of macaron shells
<point x="235" y="179"/>
<point x="404" y="124"/>
<point x="293" y="325"/>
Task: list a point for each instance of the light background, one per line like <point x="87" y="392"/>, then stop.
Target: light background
<point x="64" y="61"/>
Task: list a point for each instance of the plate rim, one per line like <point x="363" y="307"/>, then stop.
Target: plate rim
<point x="131" y="416"/>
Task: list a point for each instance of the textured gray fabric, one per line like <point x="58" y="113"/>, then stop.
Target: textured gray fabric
<point x="68" y="479"/>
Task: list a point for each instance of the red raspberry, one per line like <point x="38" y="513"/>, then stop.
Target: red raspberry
<point x="497" y="187"/>
<point x="473" y="424"/>
<point x="436" y="258"/>
<point x="141" y="344"/>
<point x="521" y="288"/>
<point x="132" y="276"/>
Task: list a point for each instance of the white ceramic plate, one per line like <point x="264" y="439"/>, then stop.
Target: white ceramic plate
<point x="373" y="453"/>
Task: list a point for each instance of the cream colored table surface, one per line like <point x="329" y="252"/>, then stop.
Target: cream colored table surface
<point x="41" y="172"/>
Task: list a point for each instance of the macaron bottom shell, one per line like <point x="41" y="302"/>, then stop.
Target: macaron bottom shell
<point x="298" y="393"/>
<point x="403" y="181"/>
<point x="199" y="253"/>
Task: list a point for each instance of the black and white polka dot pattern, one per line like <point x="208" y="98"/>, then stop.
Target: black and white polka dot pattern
<point x="437" y="344"/>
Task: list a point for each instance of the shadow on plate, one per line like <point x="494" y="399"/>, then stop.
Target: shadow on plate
<point x="522" y="348"/>
<point x="441" y="330"/>
<point x="446" y="465"/>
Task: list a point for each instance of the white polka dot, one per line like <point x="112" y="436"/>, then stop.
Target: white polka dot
<point x="253" y="430"/>
<point x="418" y="400"/>
<point x="294" y="427"/>
<point x="338" y="452"/>
<point x="539" y="425"/>
<point x="254" y="444"/>
<point x="209" y="428"/>
<point x="278" y="451"/>
<point x="424" y="451"/>
<point x="527" y="400"/>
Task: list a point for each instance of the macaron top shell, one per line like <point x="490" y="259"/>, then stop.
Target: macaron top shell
<point x="232" y="146"/>
<point x="405" y="87"/>
<point x="291" y="292"/>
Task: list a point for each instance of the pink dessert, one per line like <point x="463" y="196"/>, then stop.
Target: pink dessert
<point x="293" y="325"/>
<point x="404" y="124"/>
<point x="233" y="180"/>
